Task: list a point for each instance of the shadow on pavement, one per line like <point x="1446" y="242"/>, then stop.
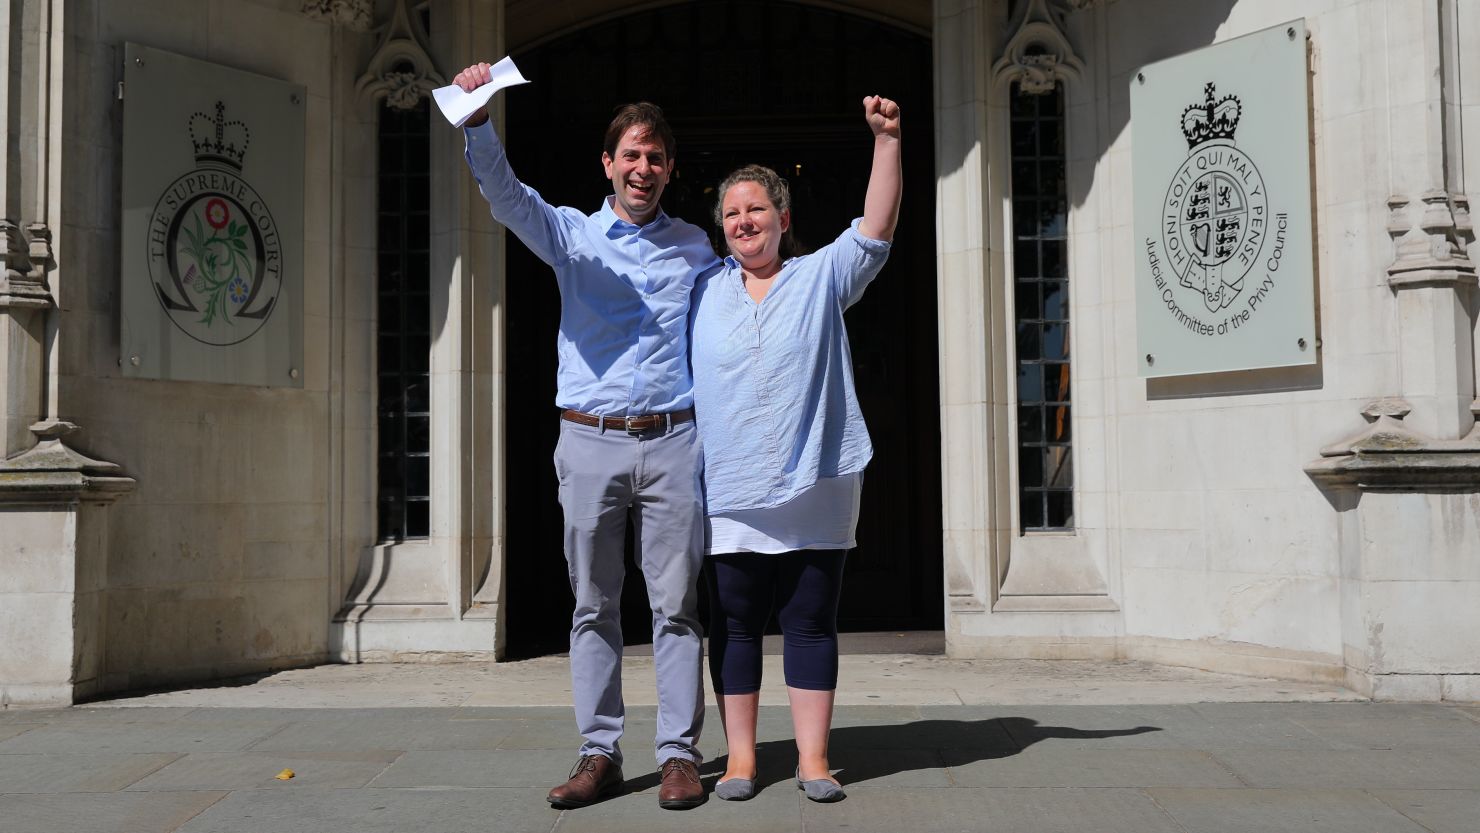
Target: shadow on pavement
<point x="865" y="753"/>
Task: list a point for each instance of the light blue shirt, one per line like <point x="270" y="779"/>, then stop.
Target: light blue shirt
<point x="624" y="290"/>
<point x="773" y="381"/>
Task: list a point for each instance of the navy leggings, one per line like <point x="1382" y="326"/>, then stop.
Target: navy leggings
<point x="803" y="587"/>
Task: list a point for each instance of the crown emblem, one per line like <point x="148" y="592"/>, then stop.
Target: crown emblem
<point x="218" y="141"/>
<point x="1211" y="119"/>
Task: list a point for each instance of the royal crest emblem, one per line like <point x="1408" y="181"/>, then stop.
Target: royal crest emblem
<point x="1215" y="210"/>
<point x="215" y="256"/>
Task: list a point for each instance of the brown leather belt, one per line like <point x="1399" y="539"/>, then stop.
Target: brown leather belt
<point x="631" y="424"/>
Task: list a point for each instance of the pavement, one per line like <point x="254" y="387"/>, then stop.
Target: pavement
<point x="922" y="744"/>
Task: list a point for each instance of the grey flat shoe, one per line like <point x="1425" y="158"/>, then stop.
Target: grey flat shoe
<point x="735" y="789"/>
<point x="820" y="790"/>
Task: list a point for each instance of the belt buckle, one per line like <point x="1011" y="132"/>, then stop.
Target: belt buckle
<point x="627" y="425"/>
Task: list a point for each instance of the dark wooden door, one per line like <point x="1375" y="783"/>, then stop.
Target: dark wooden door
<point x="783" y="87"/>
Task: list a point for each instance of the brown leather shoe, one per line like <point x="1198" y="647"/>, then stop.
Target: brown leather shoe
<point x="679" y="787"/>
<point x="593" y="778"/>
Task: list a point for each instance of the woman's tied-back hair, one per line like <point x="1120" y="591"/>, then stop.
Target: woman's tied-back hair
<point x="645" y="114"/>
<point x="777" y="191"/>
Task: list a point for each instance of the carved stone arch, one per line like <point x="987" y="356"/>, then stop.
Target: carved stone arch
<point x="401" y="71"/>
<point x="1038" y="53"/>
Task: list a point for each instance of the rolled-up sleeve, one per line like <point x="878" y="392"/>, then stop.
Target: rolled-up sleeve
<point x="852" y="262"/>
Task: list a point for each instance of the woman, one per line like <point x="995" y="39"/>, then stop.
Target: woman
<point x="785" y="448"/>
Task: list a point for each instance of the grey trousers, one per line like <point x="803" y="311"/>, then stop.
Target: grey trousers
<point x="609" y="479"/>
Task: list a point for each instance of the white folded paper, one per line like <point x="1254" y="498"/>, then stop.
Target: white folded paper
<point x="459" y="106"/>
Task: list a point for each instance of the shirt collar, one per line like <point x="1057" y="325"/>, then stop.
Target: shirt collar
<point x="611" y="222"/>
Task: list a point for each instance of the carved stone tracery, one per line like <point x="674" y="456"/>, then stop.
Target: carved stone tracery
<point x="355" y="15"/>
<point x="1431" y="240"/>
<point x="1038" y="54"/>
<point x="401" y="71"/>
<point x="28" y="257"/>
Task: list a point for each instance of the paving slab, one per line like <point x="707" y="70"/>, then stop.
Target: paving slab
<point x="775" y="809"/>
<point x="77" y="773"/>
<point x="1281" y="811"/>
<point x="90" y="735"/>
<point x="988" y="737"/>
<point x="1073" y="767"/>
<point x="10" y="730"/>
<point x="971" y="810"/>
<point x="1364" y="710"/>
<point x="561" y="712"/>
<point x="1160" y="727"/>
<point x="1339" y="768"/>
<point x="28" y="714"/>
<point x="1440" y="811"/>
<point x="259" y="770"/>
<point x="376" y="811"/>
<point x="877" y="767"/>
<point x="562" y="734"/>
<point x="102" y="812"/>
<point x="350" y="732"/>
<point x="286" y="713"/>
<point x="469" y="769"/>
<point x="1423" y="728"/>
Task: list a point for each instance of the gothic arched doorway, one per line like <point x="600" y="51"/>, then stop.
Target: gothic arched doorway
<point x="780" y="84"/>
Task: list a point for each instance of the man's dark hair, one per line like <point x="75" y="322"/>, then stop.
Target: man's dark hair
<point x="645" y="114"/>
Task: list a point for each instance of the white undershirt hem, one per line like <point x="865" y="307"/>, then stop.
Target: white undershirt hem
<point x="823" y="517"/>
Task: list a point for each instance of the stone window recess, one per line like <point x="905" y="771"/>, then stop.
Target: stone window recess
<point x="1040" y="295"/>
<point x="403" y="324"/>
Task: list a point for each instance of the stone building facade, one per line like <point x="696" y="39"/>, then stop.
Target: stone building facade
<point x="1311" y="522"/>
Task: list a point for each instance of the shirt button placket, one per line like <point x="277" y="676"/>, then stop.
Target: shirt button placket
<point x="642" y="286"/>
<point x="763" y="388"/>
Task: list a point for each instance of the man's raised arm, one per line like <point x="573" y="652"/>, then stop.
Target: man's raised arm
<point x="520" y="208"/>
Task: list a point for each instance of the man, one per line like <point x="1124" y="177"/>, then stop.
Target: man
<point x="628" y="451"/>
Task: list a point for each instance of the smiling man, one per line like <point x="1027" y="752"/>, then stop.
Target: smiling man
<point x="628" y="452"/>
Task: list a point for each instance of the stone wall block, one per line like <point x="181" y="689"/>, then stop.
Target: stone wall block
<point x="1162" y="549"/>
<point x="1292" y="611"/>
<point x="317" y="351"/>
<point x="158" y="545"/>
<point x="1168" y="602"/>
<point x="1423" y="627"/>
<point x="301" y="50"/>
<point x="32" y="556"/>
<point x="185" y="27"/>
<point x="1418" y="537"/>
<point x="39" y="631"/>
<point x="284" y="560"/>
<point x="1265" y="533"/>
<point x="1406" y="688"/>
<point x="286" y="618"/>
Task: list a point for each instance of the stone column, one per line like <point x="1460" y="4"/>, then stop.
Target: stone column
<point x="968" y="230"/>
<point x="54" y="538"/>
<point x="24" y="301"/>
<point x="25" y="240"/>
<point x="1408" y="486"/>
